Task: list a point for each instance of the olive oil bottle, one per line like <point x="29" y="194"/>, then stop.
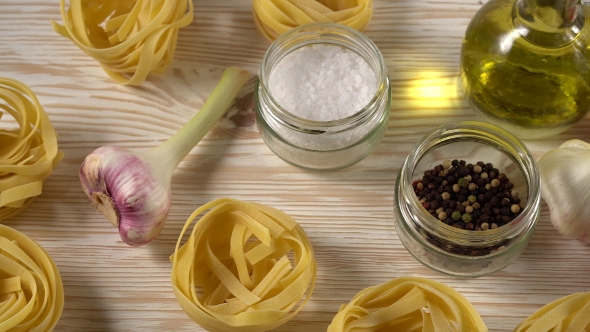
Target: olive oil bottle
<point x="525" y="65"/>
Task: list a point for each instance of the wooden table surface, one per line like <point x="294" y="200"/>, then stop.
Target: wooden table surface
<point x="347" y="214"/>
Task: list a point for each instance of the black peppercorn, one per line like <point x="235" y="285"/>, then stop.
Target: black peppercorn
<point x="505" y="211"/>
<point x="481" y="182"/>
<point x="476" y="214"/>
<point x="495" y="201"/>
<point x="463" y="171"/>
<point x="482" y="198"/>
<point x="471" y="196"/>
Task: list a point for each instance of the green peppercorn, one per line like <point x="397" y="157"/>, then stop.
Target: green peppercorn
<point x="472" y="199"/>
<point x="456" y="215"/>
<point x="463" y="182"/>
<point x="466" y="217"/>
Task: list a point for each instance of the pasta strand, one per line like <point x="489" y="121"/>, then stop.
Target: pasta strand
<point x="28" y="154"/>
<point x="130" y="39"/>
<point x="261" y="286"/>
<point x="275" y="17"/>
<point x="31" y="282"/>
<point x="408" y="304"/>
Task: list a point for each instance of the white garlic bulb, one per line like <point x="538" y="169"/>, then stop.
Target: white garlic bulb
<point x="565" y="187"/>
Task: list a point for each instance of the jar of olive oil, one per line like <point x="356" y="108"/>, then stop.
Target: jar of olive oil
<point x="525" y="65"/>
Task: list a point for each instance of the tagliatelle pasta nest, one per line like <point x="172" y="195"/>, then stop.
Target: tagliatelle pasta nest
<point x="245" y="267"/>
<point x="408" y="304"/>
<point x="275" y="17"/>
<point x="28" y="153"/>
<point x="128" y="37"/>
<point x="31" y="291"/>
<point x="567" y="314"/>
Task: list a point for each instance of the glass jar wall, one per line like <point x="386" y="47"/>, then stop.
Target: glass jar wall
<point x="322" y="145"/>
<point x="461" y="252"/>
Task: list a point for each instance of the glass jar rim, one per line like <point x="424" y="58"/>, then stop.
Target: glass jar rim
<point x="322" y="32"/>
<point x="487" y="134"/>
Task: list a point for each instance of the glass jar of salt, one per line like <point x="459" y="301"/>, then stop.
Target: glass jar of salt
<point x="322" y="97"/>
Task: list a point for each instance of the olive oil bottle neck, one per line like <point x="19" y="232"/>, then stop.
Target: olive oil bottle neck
<point x="549" y="23"/>
<point x="552" y="13"/>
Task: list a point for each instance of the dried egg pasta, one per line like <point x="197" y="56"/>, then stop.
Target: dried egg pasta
<point x="275" y="17"/>
<point x="31" y="291"/>
<point x="29" y="153"/>
<point x="408" y="304"/>
<point x="567" y="314"/>
<point x="244" y="267"/>
<point x="128" y="37"/>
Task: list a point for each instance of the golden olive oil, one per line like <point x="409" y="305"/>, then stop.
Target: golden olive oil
<point x="528" y="75"/>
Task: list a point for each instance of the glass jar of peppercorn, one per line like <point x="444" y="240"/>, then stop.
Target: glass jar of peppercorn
<point x="467" y="199"/>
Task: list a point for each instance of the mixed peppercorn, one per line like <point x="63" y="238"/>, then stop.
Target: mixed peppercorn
<point x="468" y="196"/>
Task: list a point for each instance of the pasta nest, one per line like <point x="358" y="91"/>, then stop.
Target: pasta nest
<point x="245" y="267"/>
<point x="567" y="314"/>
<point x="29" y="153"/>
<point x="128" y="37"/>
<point x="31" y="291"/>
<point x="408" y="304"/>
<point x="275" y="17"/>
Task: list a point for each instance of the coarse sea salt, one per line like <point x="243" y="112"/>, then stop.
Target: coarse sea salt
<point x="323" y="82"/>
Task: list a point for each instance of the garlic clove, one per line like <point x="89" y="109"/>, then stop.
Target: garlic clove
<point x="565" y="179"/>
<point x="133" y="189"/>
<point x="121" y="185"/>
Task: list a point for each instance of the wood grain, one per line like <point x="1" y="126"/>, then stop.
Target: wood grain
<point x="347" y="214"/>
